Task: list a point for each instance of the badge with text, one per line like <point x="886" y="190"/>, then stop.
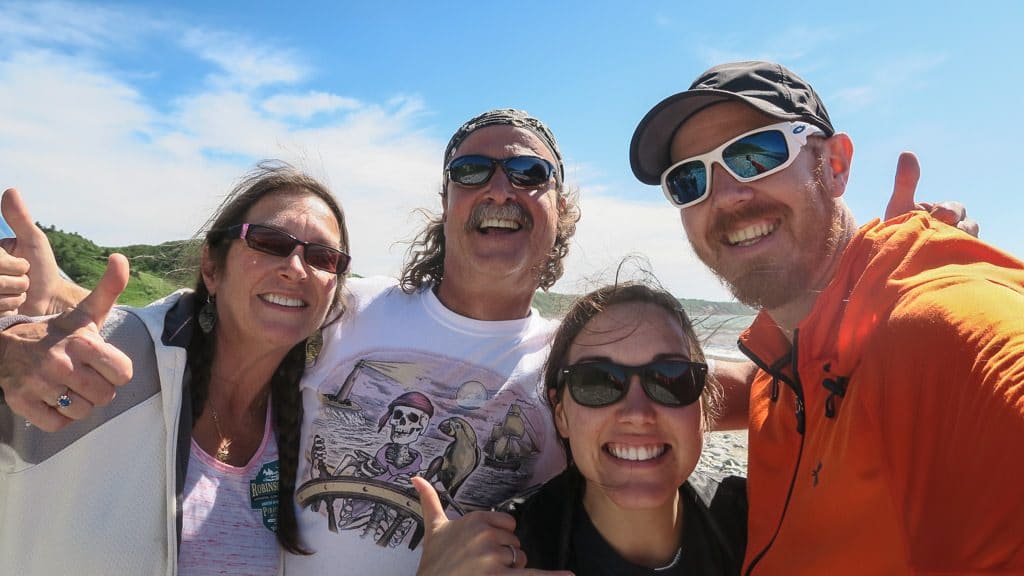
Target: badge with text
<point x="263" y="494"/>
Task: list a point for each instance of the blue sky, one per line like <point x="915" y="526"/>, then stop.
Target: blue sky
<point x="126" y="122"/>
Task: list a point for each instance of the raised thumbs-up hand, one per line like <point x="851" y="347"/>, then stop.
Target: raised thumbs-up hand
<point x="477" y="543"/>
<point x="55" y="371"/>
<point x="13" y="278"/>
<point x="27" y="263"/>
<point x="908" y="172"/>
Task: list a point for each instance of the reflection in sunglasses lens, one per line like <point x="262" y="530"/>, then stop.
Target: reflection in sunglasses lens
<point x="670" y="383"/>
<point x="756" y="154"/>
<point x="688" y="181"/>
<point x="471" y="170"/>
<point x="527" y="171"/>
<point x="522" y="171"/>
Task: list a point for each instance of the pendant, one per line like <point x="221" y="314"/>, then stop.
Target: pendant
<point x="224" y="450"/>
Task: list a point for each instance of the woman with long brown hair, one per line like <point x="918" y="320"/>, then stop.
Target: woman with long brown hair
<point x="191" y="468"/>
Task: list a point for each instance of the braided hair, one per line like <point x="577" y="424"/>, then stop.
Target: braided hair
<point x="269" y="177"/>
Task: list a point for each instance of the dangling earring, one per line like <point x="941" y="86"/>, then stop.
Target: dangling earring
<point x="314" y="344"/>
<point x="208" y="315"/>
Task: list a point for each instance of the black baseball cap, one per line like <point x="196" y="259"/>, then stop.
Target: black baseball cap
<point x="768" y="87"/>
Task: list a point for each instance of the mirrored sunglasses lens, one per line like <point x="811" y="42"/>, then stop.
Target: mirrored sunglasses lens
<point x="269" y="241"/>
<point x="470" y="170"/>
<point x="595" y="385"/>
<point x="756" y="154"/>
<point x="527" y="171"/>
<point x="687" y="182"/>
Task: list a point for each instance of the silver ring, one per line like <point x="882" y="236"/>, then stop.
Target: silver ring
<point x="514" y="555"/>
<point x="64" y="400"/>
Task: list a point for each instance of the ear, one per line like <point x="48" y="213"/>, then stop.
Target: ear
<point x="563" y="204"/>
<point x="444" y="202"/>
<point x="561" y="422"/>
<point x="209" y="270"/>
<point x="839" y="155"/>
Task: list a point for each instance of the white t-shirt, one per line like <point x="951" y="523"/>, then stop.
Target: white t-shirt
<point x="406" y="387"/>
<point x="230" y="513"/>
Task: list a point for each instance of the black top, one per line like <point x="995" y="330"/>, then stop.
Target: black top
<point x="556" y="533"/>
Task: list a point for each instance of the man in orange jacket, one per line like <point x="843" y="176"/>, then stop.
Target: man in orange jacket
<point x="888" y="411"/>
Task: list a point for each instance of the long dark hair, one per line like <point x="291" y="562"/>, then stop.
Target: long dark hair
<point x="268" y="178"/>
<point x="590" y="305"/>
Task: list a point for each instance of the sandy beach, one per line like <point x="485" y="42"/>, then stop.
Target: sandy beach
<point x="725" y="454"/>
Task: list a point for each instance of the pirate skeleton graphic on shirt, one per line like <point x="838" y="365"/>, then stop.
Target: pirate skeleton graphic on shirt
<point x="364" y="485"/>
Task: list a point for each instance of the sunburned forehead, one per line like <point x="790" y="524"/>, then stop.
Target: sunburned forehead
<point x="504" y="142"/>
<point x="714" y="125"/>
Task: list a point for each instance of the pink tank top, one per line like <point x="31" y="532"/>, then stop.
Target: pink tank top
<point x="230" y="512"/>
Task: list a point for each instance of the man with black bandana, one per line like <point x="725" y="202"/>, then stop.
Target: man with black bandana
<point x="458" y="331"/>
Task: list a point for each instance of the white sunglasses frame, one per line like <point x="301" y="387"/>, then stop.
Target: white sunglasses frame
<point x="795" y="133"/>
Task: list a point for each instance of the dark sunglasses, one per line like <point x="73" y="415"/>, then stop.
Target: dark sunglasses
<point x="672" y="383"/>
<point x="747" y="157"/>
<point x="263" y="238"/>
<point x="522" y="171"/>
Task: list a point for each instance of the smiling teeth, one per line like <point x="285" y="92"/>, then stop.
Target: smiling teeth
<point x="499" y="223"/>
<point x="283" y="300"/>
<point x="748" y="235"/>
<point x="636" y="453"/>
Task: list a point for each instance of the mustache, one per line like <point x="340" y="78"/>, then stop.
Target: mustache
<point x="755" y="208"/>
<point x="506" y="211"/>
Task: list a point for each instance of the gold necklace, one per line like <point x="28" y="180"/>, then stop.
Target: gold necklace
<point x="224" y="448"/>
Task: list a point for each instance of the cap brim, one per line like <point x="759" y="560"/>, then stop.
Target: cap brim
<point x="649" y="150"/>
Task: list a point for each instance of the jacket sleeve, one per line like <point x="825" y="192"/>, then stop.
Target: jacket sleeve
<point x="951" y="412"/>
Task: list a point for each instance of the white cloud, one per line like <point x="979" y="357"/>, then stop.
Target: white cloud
<point x="244" y="63"/>
<point x="93" y="154"/>
<point x="305" y="106"/>
<point x="69" y="24"/>
<point x="613" y="228"/>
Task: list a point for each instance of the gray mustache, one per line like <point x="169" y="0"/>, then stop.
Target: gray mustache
<point x="508" y="211"/>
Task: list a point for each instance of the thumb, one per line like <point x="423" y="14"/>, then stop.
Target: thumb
<point x="434" y="517"/>
<point x="908" y="172"/>
<point x="98" y="303"/>
<point x="17" y="215"/>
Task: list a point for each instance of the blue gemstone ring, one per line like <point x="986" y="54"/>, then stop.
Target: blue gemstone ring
<point x="64" y="400"/>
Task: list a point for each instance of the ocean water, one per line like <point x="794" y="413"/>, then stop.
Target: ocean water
<point x="718" y="334"/>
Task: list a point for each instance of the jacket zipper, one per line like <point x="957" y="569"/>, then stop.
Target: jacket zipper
<point x="795" y="385"/>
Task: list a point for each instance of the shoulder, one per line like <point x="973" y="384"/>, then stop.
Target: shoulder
<point x="723" y="514"/>
<point x="543" y="516"/>
<point x="360" y="293"/>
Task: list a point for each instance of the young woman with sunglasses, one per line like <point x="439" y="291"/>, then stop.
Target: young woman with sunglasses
<point x="631" y="397"/>
<point x="190" y="469"/>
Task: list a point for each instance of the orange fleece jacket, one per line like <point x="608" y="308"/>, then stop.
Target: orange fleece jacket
<point x="910" y="372"/>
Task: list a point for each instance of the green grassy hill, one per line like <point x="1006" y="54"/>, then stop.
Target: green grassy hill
<point x="156" y="271"/>
<point x="161" y="269"/>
